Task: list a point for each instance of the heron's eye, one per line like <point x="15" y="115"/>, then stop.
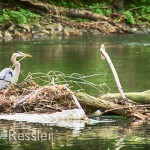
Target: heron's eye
<point x="18" y="54"/>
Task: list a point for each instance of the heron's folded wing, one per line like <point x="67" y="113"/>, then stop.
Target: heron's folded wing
<point x="5" y="77"/>
<point x="6" y="74"/>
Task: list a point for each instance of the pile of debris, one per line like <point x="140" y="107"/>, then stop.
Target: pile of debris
<point x="30" y="97"/>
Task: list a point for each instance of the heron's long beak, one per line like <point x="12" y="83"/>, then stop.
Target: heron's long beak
<point x="25" y="55"/>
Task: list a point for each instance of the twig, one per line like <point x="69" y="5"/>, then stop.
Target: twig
<point x="76" y="101"/>
<point x="124" y="107"/>
<point x="31" y="95"/>
<point x="105" y="7"/>
<point x="70" y="79"/>
<point x="136" y="8"/>
<point x="135" y="113"/>
<point x="74" y="98"/>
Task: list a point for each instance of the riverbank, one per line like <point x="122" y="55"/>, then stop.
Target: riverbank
<point x="60" y="21"/>
<point x="53" y="26"/>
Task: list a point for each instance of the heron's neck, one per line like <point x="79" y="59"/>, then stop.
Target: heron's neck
<point x="16" y="73"/>
<point x="13" y="59"/>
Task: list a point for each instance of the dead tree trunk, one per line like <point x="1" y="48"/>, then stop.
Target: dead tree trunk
<point x="124" y="110"/>
<point x="87" y="100"/>
<point x="138" y="97"/>
<point x="104" y="53"/>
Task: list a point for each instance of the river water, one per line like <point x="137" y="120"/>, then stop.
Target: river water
<point x="76" y="61"/>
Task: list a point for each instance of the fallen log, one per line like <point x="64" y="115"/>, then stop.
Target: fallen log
<point x="139" y="97"/>
<point x="124" y="110"/>
<point x="91" y="101"/>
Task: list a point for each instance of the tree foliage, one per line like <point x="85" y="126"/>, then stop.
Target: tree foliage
<point x="133" y="10"/>
<point x="19" y="16"/>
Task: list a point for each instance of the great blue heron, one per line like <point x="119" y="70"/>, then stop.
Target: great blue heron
<point x="8" y="75"/>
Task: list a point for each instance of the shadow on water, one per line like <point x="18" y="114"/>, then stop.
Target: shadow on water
<point x="131" y="57"/>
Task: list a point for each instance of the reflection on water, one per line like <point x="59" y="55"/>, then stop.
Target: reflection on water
<point x="131" y="57"/>
<point x="117" y="134"/>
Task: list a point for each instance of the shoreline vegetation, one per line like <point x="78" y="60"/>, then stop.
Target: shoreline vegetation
<point x="27" y="19"/>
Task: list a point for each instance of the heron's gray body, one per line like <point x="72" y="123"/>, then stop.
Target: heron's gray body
<point x="6" y="76"/>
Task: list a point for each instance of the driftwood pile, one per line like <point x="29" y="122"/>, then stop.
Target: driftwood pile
<point x="30" y="97"/>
